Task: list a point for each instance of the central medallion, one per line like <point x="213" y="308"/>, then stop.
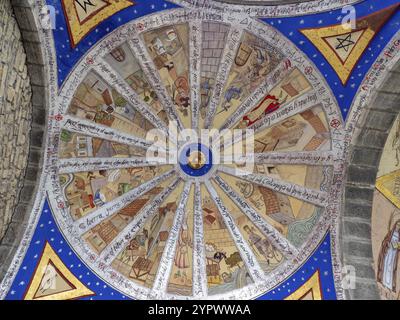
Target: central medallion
<point x="195" y="159"/>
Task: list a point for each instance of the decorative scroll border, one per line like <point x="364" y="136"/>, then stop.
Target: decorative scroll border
<point x="268" y="10"/>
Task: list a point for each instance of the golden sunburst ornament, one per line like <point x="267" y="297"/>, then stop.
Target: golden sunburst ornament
<point x="196" y="160"/>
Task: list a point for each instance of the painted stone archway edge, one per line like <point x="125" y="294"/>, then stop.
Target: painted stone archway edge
<point x="62" y="257"/>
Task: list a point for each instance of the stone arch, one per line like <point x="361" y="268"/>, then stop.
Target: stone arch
<point x="19" y="15"/>
<point x="364" y="158"/>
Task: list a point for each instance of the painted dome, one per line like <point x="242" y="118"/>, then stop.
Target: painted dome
<point x="194" y="224"/>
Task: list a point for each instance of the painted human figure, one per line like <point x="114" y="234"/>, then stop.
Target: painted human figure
<point x="256" y="65"/>
<point x="184" y="242"/>
<point x="389" y="258"/>
<point x="262" y="245"/>
<point x="227" y="277"/>
<point x="268" y="104"/>
<point x="181" y="94"/>
<point x="396" y="143"/>
<point x="259" y="67"/>
<point x="233" y="92"/>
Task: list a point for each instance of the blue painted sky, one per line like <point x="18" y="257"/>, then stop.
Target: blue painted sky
<point x="320" y="260"/>
<point x="47" y="231"/>
<point x="345" y="94"/>
<point x="67" y="57"/>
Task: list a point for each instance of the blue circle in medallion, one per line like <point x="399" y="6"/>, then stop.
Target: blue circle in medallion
<point x="195" y="159"/>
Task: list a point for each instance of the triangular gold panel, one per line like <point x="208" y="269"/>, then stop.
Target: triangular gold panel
<point x="343" y="47"/>
<point x="389" y="186"/>
<point x="84" y="15"/>
<point x="53" y="281"/>
<point x="311" y="290"/>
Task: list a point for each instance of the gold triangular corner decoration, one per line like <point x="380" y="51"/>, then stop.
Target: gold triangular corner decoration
<point x="53" y="281"/>
<point x="343" y="47"/>
<point x="311" y="290"/>
<point x="82" y="16"/>
<point x="388" y="186"/>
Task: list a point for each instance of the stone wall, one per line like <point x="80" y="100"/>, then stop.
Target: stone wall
<point x="28" y="36"/>
<point x="370" y="138"/>
<point x="15" y="114"/>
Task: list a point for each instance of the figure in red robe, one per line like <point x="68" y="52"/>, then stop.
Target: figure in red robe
<point x="268" y="105"/>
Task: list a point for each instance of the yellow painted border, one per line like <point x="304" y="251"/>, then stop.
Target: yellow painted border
<point x="312" y="285"/>
<point x="343" y="70"/>
<point x="380" y="185"/>
<point x="77" y="30"/>
<point x="47" y="256"/>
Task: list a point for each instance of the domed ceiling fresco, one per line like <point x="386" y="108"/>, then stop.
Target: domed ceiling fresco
<point x="111" y="222"/>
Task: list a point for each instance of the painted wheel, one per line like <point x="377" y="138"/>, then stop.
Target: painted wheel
<point x="194" y="226"/>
